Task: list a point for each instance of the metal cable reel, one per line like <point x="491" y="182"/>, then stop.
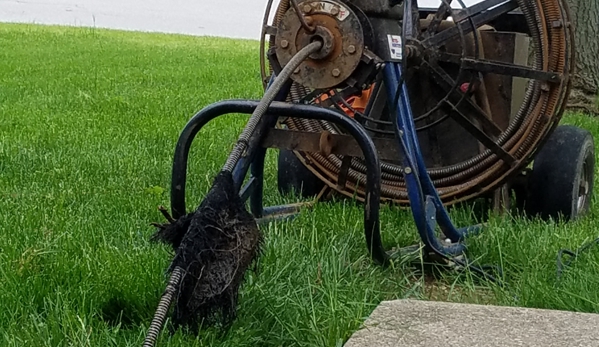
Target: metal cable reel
<point x="487" y="83"/>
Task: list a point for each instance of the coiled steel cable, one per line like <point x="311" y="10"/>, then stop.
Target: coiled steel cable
<point x="267" y="99"/>
<point x="163" y="307"/>
<point x="539" y="112"/>
<point x="241" y="145"/>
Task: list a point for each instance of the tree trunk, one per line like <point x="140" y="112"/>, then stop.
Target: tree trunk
<point x="585" y="94"/>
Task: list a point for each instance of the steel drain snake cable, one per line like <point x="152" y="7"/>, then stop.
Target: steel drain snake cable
<point x="240" y="147"/>
<point x="163" y="307"/>
<point x="267" y="99"/>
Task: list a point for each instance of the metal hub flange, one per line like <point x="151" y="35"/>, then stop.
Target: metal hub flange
<point x="340" y="31"/>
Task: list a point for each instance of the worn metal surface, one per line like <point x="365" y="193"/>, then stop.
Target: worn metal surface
<point x="505" y="94"/>
<point x="466" y="140"/>
<point x="327" y="143"/>
<point x="338" y="27"/>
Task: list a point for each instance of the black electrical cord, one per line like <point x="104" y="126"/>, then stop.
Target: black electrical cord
<point x="561" y="264"/>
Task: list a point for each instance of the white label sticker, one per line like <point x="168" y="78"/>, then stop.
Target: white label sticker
<point x="395" y="47"/>
<point x="327" y="7"/>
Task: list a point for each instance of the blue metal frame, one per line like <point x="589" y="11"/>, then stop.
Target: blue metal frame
<point x="253" y="189"/>
<point x="427" y="209"/>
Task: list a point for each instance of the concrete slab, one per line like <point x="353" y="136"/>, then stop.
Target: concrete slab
<point x="411" y="323"/>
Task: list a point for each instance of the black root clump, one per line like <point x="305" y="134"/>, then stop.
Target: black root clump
<point x="214" y="245"/>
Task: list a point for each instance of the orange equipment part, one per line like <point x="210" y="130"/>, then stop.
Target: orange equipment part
<point x="357" y="102"/>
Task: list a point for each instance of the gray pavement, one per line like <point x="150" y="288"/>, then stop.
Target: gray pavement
<point x="410" y="323"/>
<point x="227" y="18"/>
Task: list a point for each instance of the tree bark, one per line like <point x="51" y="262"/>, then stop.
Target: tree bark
<point x="585" y="93"/>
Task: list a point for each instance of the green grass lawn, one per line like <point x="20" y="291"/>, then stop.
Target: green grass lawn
<point x="88" y="124"/>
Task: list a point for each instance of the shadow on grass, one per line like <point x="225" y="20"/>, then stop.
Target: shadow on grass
<point x="128" y="313"/>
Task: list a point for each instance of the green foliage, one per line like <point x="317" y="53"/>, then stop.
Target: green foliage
<point x="89" y="120"/>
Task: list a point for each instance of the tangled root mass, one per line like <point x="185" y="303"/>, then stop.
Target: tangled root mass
<point x="215" y="245"/>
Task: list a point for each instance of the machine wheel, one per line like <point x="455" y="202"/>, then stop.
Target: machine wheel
<point x="561" y="181"/>
<point x="293" y="176"/>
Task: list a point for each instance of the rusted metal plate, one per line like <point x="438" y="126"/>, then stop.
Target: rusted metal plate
<point x="331" y="143"/>
<point x="519" y="85"/>
<point x="505" y="93"/>
<point x="340" y="30"/>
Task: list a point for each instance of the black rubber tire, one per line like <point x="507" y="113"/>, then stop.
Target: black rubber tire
<point x="294" y="177"/>
<point x="561" y="182"/>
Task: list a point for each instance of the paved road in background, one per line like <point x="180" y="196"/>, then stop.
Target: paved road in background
<point x="228" y="18"/>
